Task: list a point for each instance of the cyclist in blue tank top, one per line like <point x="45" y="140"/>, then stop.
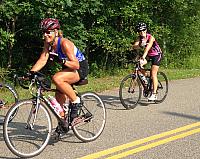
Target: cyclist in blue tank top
<point x="74" y="64"/>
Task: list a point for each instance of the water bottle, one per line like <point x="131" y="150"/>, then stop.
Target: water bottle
<point x="149" y="82"/>
<point x="56" y="106"/>
<point x="144" y="79"/>
<point x="143" y="43"/>
<point x="66" y="106"/>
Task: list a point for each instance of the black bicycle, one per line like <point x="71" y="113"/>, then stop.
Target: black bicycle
<point x="29" y="132"/>
<point x="8" y="97"/>
<point x="132" y="87"/>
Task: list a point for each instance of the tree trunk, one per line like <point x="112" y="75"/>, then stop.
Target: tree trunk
<point x="10" y="44"/>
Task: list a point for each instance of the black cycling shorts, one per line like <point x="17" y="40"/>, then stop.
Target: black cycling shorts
<point x="83" y="70"/>
<point x="155" y="60"/>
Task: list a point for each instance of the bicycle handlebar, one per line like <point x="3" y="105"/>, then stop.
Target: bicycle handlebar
<point x="138" y="65"/>
<point x="38" y="76"/>
<point x="42" y="81"/>
<point x="19" y="80"/>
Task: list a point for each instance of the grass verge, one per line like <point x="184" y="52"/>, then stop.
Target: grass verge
<point x="111" y="82"/>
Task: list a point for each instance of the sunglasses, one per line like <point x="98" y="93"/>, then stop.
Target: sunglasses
<point x="48" y="32"/>
<point x="141" y="30"/>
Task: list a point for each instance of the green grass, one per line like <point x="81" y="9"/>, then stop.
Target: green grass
<point x="175" y="74"/>
<point x="112" y="82"/>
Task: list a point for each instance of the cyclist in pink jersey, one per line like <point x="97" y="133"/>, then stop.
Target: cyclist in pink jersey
<point x="152" y="52"/>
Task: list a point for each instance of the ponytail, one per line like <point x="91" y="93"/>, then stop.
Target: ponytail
<point x="60" y="33"/>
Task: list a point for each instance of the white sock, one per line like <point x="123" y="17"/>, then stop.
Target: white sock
<point x="78" y="100"/>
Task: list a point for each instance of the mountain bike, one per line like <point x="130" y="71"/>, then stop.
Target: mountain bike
<point x="29" y="132"/>
<point x="8" y="96"/>
<point x="132" y="87"/>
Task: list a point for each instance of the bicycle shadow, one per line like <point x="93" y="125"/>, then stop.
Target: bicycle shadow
<point x="3" y="148"/>
<point x="69" y="137"/>
<point x="112" y="102"/>
<point x="144" y="102"/>
<point x="9" y="157"/>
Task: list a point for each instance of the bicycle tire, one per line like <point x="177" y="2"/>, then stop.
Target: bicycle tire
<point x="9" y="96"/>
<point x="93" y="113"/>
<point x="162" y="89"/>
<point x="19" y="137"/>
<point x="130" y="91"/>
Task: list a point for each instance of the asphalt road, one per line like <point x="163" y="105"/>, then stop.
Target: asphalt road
<point x="150" y="131"/>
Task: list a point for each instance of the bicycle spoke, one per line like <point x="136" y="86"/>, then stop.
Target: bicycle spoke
<point x="94" y="117"/>
<point x="129" y="92"/>
<point x="8" y="98"/>
<point x="27" y="139"/>
<point x="162" y="88"/>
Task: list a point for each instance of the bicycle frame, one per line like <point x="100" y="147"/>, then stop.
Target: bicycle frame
<point x="40" y="97"/>
<point x="138" y="70"/>
<point x="36" y="105"/>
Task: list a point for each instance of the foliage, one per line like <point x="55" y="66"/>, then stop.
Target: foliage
<point x="102" y="29"/>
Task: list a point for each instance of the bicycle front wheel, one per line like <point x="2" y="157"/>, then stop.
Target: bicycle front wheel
<point x="130" y="91"/>
<point x="92" y="118"/>
<point x="28" y="133"/>
<point x="8" y="97"/>
<point x="162" y="89"/>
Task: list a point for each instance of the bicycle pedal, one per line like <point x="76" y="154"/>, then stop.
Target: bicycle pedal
<point x="153" y="101"/>
<point x="129" y="91"/>
<point x="2" y="104"/>
<point x="55" y="136"/>
<point x="77" y="120"/>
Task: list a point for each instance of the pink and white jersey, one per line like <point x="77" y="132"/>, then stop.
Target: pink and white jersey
<point x="154" y="50"/>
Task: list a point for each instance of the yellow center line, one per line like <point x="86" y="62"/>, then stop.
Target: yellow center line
<point x="148" y="146"/>
<point x="139" y="142"/>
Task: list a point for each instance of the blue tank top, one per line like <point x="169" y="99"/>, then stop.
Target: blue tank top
<point x="79" y="55"/>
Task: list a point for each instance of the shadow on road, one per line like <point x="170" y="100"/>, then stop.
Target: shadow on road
<point x="8" y="157"/>
<point x="3" y="143"/>
<point x="114" y="103"/>
<point x="69" y="137"/>
<point x="183" y="115"/>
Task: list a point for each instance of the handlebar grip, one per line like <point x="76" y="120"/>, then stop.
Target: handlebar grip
<point x="19" y="80"/>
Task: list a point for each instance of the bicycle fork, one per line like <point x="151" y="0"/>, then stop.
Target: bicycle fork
<point x="33" y="114"/>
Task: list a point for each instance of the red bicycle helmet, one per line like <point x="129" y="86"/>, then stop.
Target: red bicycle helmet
<point x="49" y="24"/>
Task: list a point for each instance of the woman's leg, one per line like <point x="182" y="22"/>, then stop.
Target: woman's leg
<point x="63" y="81"/>
<point x="154" y="71"/>
<point x="60" y="97"/>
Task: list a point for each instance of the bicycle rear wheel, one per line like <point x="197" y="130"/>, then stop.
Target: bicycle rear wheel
<point x="130" y="91"/>
<point x="9" y="97"/>
<point x="25" y="135"/>
<point x="162" y="89"/>
<point x="92" y="118"/>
